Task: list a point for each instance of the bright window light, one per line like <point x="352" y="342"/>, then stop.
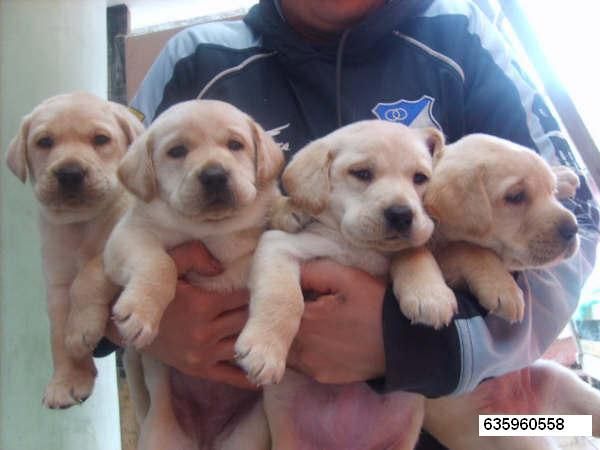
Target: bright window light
<point x="150" y="13"/>
<point x="570" y="36"/>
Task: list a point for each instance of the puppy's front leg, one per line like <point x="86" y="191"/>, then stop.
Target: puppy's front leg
<point x="276" y="307"/>
<point x="73" y="379"/>
<point x="137" y="260"/>
<point x="420" y="288"/>
<point x="91" y="295"/>
<point x="486" y="277"/>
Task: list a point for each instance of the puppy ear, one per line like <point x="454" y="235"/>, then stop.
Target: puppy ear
<point x="136" y="170"/>
<point x="306" y="177"/>
<point x="435" y="142"/>
<point x="129" y="123"/>
<point x="268" y="157"/>
<point x="16" y="157"/>
<point x="457" y="200"/>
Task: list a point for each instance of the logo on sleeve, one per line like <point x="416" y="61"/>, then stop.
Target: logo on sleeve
<point x="412" y="113"/>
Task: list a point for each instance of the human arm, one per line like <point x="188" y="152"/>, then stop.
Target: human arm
<point x="499" y="100"/>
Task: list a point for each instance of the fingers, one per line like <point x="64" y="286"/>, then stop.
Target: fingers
<point x="323" y="305"/>
<point x="234" y="300"/>
<point x="224" y="350"/>
<point x="302" y="356"/>
<point x="206" y="305"/>
<point x="319" y="275"/>
<point x="229" y="324"/>
<point x="193" y="256"/>
<point x="326" y="276"/>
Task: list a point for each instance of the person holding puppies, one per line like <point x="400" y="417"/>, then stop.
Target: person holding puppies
<point x="303" y="69"/>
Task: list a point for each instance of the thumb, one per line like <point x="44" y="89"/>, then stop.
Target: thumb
<point x="194" y="257"/>
<point x="322" y="306"/>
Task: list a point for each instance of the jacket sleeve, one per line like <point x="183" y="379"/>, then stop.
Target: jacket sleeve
<point x="170" y="78"/>
<point x="499" y="100"/>
<point x="189" y="61"/>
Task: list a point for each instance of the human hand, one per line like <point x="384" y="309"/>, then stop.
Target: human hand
<point x="198" y="329"/>
<point x="340" y="338"/>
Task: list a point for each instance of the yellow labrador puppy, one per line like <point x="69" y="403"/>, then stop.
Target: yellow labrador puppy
<point x="205" y="171"/>
<point x="496" y="208"/>
<point x="70" y="146"/>
<point x="362" y="185"/>
<point x="509" y="200"/>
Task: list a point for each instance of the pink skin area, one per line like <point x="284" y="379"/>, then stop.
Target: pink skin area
<point x="348" y="417"/>
<point x="514" y="393"/>
<point x="310" y="415"/>
<point x="204" y="409"/>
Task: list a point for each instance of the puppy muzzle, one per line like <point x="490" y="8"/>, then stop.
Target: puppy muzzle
<point x="215" y="186"/>
<point x="399" y="218"/>
<point x="214" y="179"/>
<point x="71" y="178"/>
<point x="567" y="230"/>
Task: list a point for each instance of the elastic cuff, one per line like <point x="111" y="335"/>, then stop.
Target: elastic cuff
<point x="418" y="358"/>
<point x="104" y="348"/>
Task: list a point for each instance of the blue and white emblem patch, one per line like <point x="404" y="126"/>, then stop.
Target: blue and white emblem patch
<point x="412" y="113"/>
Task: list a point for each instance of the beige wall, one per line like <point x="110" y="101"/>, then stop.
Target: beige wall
<point x="140" y="52"/>
<point x="46" y="47"/>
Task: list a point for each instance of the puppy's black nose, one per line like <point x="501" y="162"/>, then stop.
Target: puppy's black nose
<point x="399" y="217"/>
<point x="70" y="176"/>
<point x="567" y="230"/>
<point x="213" y="178"/>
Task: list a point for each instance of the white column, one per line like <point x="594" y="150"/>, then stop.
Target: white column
<point x="46" y="47"/>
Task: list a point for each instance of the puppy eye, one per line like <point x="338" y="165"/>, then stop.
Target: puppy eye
<point x="515" y="199"/>
<point x="420" y="178"/>
<point x="362" y="174"/>
<point x="234" y="145"/>
<point x="178" y="152"/>
<point x="101" y="139"/>
<point x="45" y="142"/>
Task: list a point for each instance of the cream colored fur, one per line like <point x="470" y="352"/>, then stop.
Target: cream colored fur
<point x="77" y="132"/>
<point x="481" y="234"/>
<point x="165" y="169"/>
<point x="496" y="210"/>
<point x="349" y="225"/>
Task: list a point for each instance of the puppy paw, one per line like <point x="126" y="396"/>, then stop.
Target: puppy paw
<point x="503" y="299"/>
<point x="138" y="325"/>
<point x="83" y="333"/>
<point x="68" y="389"/>
<point x="567" y="182"/>
<point x="433" y="306"/>
<point x="261" y="357"/>
<point x="286" y="217"/>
